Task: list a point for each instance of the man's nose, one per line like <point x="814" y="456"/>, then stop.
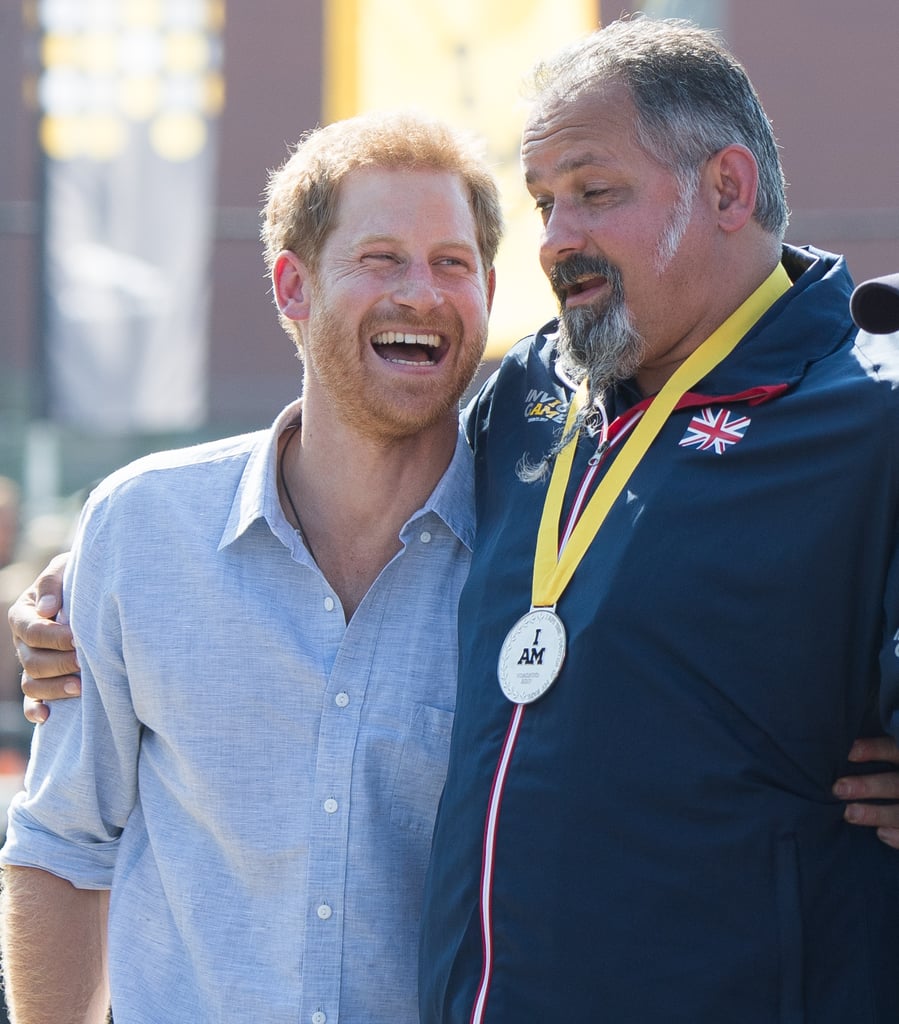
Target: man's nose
<point x="563" y="234"/>
<point x="417" y="289"/>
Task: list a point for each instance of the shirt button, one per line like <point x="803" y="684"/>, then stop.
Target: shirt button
<point x="318" y="1017"/>
<point x="342" y="699"/>
<point x="324" y="912"/>
<point x="329" y="604"/>
<point x="330" y="805"/>
<point x="425" y="537"/>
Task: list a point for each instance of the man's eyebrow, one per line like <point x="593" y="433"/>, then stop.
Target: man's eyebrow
<point x="467" y="244"/>
<point x="567" y="164"/>
<point x="377" y="239"/>
<point x="458" y="243"/>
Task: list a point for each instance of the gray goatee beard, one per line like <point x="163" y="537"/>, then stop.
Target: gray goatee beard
<point x="602" y="346"/>
<point x="605" y="348"/>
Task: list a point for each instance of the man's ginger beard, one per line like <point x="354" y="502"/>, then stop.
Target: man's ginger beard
<point x="332" y="352"/>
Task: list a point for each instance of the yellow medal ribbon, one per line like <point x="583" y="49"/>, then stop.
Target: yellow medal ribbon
<point x="552" y="570"/>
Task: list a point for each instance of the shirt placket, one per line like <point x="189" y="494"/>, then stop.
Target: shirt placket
<point x="342" y="705"/>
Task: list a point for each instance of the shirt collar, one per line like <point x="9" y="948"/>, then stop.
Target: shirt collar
<point x="257" y="493"/>
<point x="453" y="497"/>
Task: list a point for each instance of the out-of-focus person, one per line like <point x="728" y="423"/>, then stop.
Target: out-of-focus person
<point x="875" y="305"/>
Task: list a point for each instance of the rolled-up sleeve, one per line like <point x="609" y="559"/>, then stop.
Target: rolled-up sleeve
<point x="81" y="782"/>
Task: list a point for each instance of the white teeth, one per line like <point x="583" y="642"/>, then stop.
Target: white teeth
<point x="401" y="338"/>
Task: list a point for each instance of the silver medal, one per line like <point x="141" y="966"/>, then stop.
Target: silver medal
<point x="531" y="656"/>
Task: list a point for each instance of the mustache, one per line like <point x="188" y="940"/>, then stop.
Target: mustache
<point x="440" y="323"/>
<point x="568" y="272"/>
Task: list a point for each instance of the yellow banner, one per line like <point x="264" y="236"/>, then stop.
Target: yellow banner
<point x="463" y="60"/>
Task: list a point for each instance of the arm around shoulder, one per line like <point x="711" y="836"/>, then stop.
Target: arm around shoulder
<point x="54" y="949"/>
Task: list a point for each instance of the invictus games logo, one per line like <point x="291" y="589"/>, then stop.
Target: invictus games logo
<point x="542" y="406"/>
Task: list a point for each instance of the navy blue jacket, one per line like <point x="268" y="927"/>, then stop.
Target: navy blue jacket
<point x="667" y="849"/>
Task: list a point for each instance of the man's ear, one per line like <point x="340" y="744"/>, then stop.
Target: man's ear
<point x="491" y="288"/>
<point x="735" y="177"/>
<point x="292" y="285"/>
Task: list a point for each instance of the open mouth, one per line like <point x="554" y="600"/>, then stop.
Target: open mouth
<point x="584" y="285"/>
<point x="405" y="348"/>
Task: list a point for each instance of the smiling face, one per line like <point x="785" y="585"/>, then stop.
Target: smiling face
<point x="621" y="243"/>
<point x="396" y="311"/>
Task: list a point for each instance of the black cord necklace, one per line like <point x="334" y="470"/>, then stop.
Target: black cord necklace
<point x="286" y="489"/>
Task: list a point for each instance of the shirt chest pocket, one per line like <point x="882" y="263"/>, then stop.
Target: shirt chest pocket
<point x="422" y="769"/>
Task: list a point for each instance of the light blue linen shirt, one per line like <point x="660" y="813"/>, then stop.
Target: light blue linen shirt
<point x="254" y="778"/>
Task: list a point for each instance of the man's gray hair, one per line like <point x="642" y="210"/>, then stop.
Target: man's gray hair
<point x="692" y="97"/>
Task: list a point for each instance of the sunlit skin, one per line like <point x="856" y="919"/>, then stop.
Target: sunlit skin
<point x="401" y="265"/>
<point x="600" y="194"/>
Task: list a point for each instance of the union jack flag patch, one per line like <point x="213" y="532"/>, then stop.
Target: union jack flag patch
<point x="714" y="430"/>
